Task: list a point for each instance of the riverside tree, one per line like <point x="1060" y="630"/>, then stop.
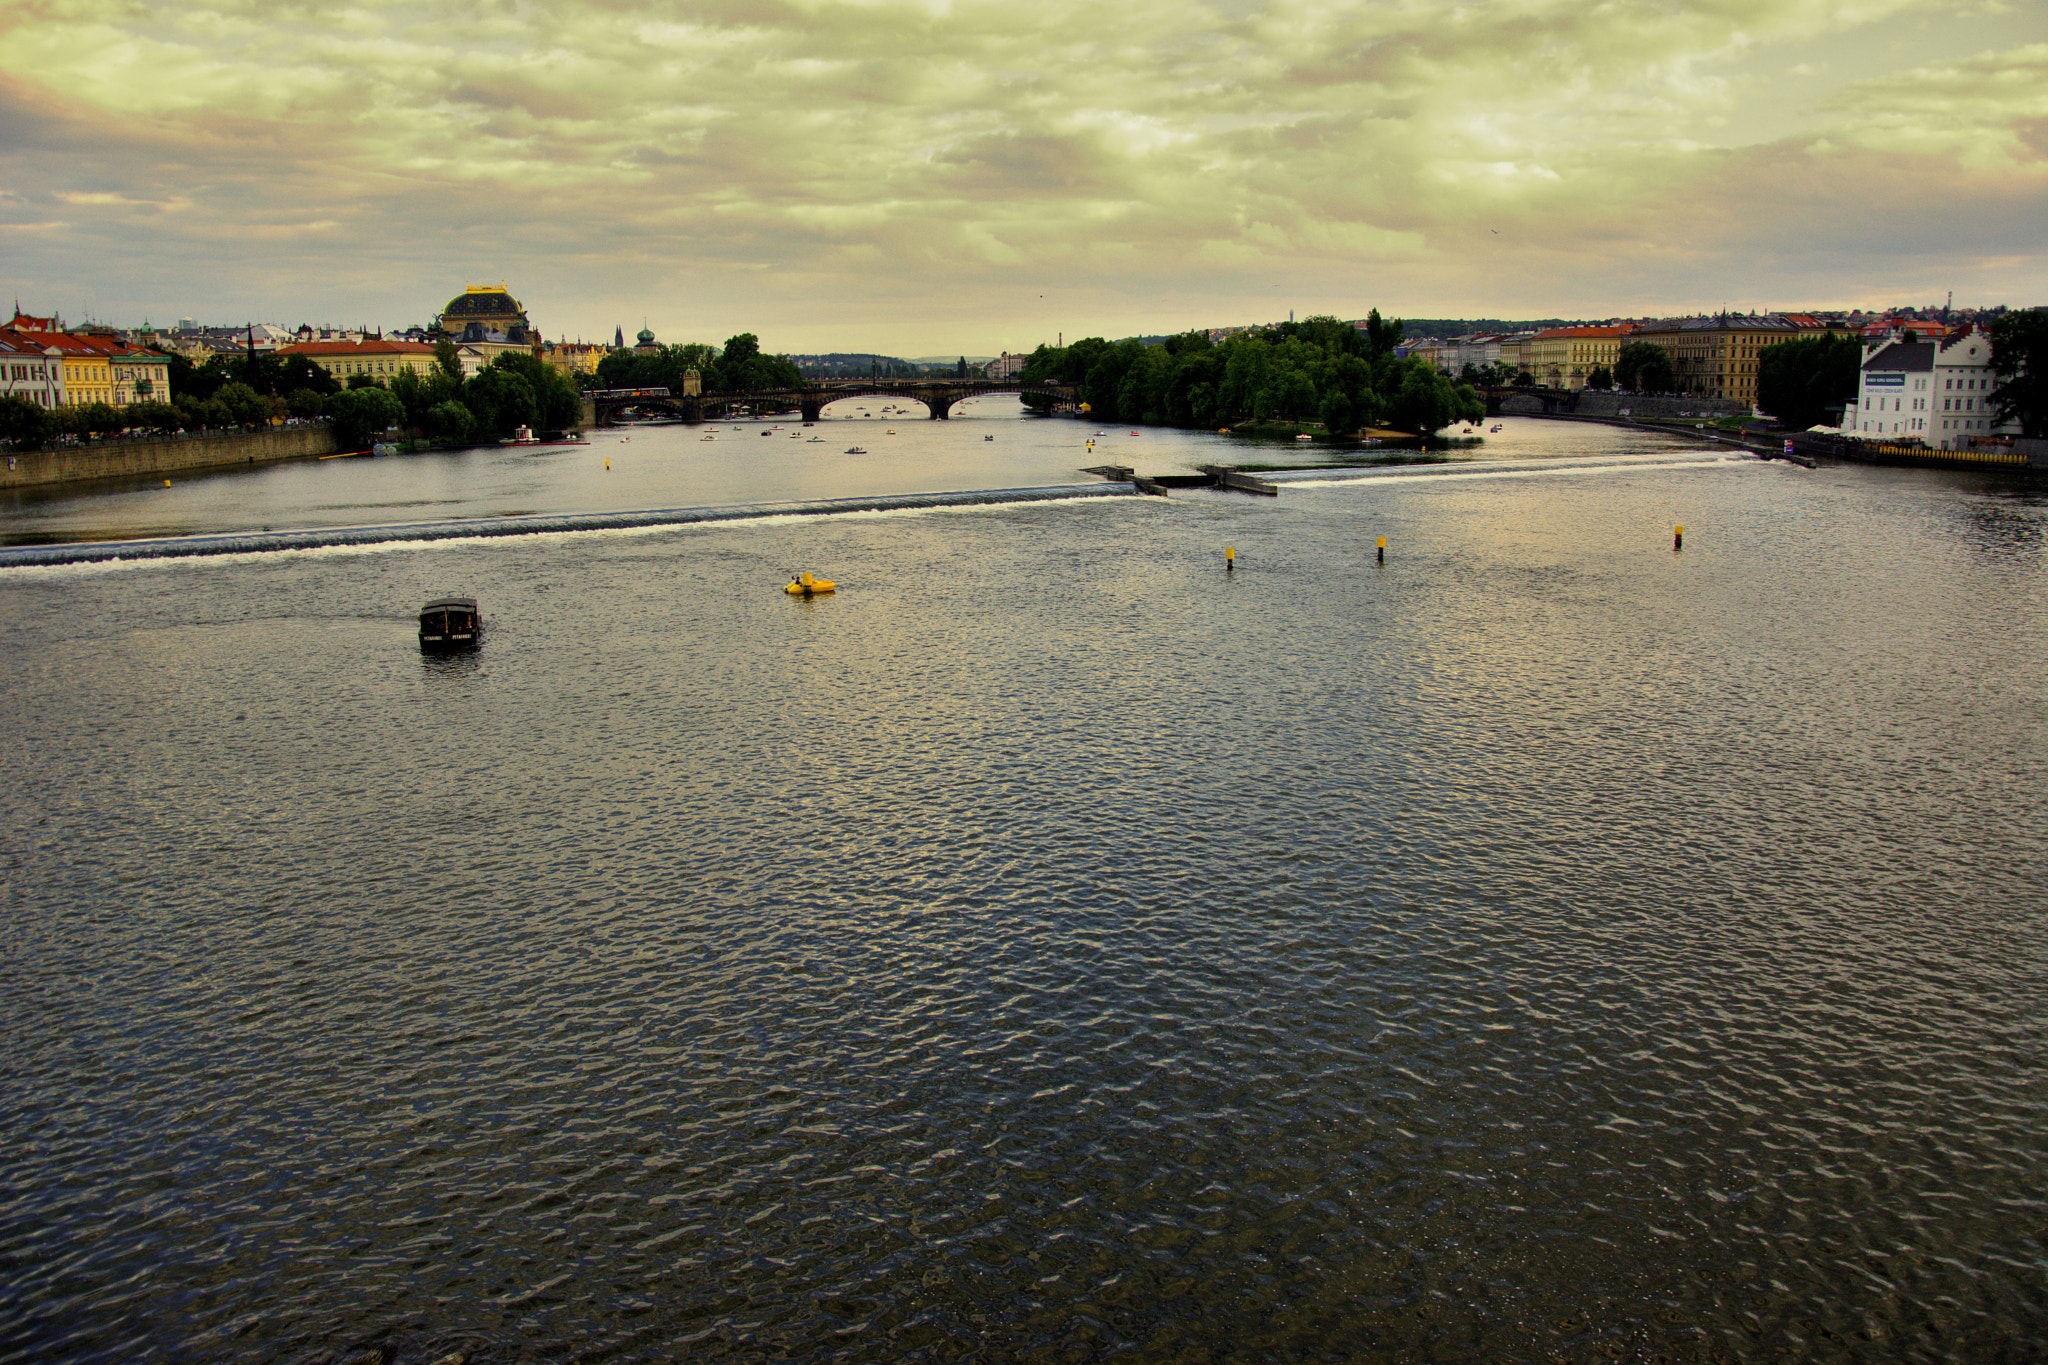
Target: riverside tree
<point x="1645" y="367"/>
<point x="1799" y="382"/>
<point x="2019" y="357"/>
<point x="358" y="416"/>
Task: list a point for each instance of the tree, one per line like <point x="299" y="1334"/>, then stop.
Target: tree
<point x="96" y="419"/>
<point x="1644" y="367"/>
<point x="1524" y="380"/>
<point x="244" y="406"/>
<point x="2019" y="357"/>
<point x="557" y="402"/>
<point x="1425" y="400"/>
<point x="153" y="416"/>
<point x="23" y="425"/>
<point x="1601" y="378"/>
<point x="960" y="370"/>
<point x="449" y="423"/>
<point x="501" y="399"/>
<point x="1797" y="382"/>
<point x="447" y="359"/>
<point x="1381" y="337"/>
<point x="359" y="416"/>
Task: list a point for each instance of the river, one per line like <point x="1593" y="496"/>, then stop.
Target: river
<point x="1541" y="946"/>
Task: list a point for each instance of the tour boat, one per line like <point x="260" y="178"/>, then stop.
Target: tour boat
<point x="523" y="436"/>
<point x="450" y="623"/>
<point x="855" y="450"/>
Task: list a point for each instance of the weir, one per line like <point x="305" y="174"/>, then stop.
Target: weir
<point x="261" y="542"/>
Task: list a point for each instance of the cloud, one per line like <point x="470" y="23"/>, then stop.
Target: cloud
<point x="808" y="163"/>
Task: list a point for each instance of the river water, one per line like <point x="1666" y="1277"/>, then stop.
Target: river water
<point x="1542" y="946"/>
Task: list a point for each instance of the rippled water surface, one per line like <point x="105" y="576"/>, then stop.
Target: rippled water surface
<point x="1543" y="946"/>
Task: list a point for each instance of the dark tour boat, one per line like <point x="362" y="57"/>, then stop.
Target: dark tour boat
<point x="449" y="623"/>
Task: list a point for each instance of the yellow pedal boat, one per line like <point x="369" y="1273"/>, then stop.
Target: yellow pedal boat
<point x="806" y="586"/>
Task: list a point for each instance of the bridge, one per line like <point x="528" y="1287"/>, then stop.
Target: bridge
<point x="938" y="395"/>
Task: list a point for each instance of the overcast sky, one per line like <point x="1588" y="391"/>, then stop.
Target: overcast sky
<point x="926" y="178"/>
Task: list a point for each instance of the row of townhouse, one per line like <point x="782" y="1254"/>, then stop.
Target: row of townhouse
<point x="1714" y="355"/>
<point x="54" y="368"/>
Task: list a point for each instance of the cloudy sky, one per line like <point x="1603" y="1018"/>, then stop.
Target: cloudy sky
<point x="959" y="176"/>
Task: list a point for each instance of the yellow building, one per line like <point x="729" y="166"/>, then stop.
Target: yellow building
<point x="1717" y="356"/>
<point x="139" y="376"/>
<point x="574" y="357"/>
<point x="380" y="360"/>
<point x="1565" y="357"/>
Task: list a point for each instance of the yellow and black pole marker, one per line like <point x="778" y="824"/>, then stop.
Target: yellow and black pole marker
<point x="1383" y="549"/>
<point x="1678" y="537"/>
<point x="1229" y="558"/>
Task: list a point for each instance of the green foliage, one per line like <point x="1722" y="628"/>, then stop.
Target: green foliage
<point x="743" y="368"/>
<point x="502" y="400"/>
<point x="359" y="416"/>
<point x="1382" y="336"/>
<point x="153" y="416"/>
<point x="1600" y="378"/>
<point x="447" y="360"/>
<point x="449" y="423"/>
<point x="244" y="406"/>
<point x="24" y="425"/>
<point x="557" y="402"/>
<point x="363" y="381"/>
<point x="420" y="394"/>
<point x="1422" y="399"/>
<point x="1797" y="382"/>
<point x="1318" y="369"/>
<point x="1645" y="367"/>
<point x="1524" y="379"/>
<point x="2019" y="357"/>
<point x="96" y="419"/>
<point x="304" y="404"/>
<point x="663" y="369"/>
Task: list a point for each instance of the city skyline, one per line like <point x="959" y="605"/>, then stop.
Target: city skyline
<point x="928" y="178"/>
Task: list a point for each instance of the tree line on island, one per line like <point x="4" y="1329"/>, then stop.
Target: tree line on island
<point x="1319" y="371"/>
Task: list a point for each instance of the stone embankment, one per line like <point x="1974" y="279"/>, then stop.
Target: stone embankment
<point x="105" y="461"/>
<point x="1607" y="403"/>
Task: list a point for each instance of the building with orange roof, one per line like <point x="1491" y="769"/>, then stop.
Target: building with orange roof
<point x="30" y="368"/>
<point x="1565" y="357"/>
<point x="102" y="368"/>
<point x="373" y="357"/>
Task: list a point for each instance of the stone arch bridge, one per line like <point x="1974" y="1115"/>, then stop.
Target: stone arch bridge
<point x="938" y="396"/>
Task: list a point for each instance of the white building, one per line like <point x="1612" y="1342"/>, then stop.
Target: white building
<point x="1007" y="366"/>
<point x="30" y="371"/>
<point x="1936" y="391"/>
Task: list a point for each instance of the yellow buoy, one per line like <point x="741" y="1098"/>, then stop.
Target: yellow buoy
<point x="803" y="585"/>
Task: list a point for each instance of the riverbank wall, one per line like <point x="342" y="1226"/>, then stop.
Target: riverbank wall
<point x="1608" y="403"/>
<point x="2021" y="454"/>
<point x="106" y="461"/>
